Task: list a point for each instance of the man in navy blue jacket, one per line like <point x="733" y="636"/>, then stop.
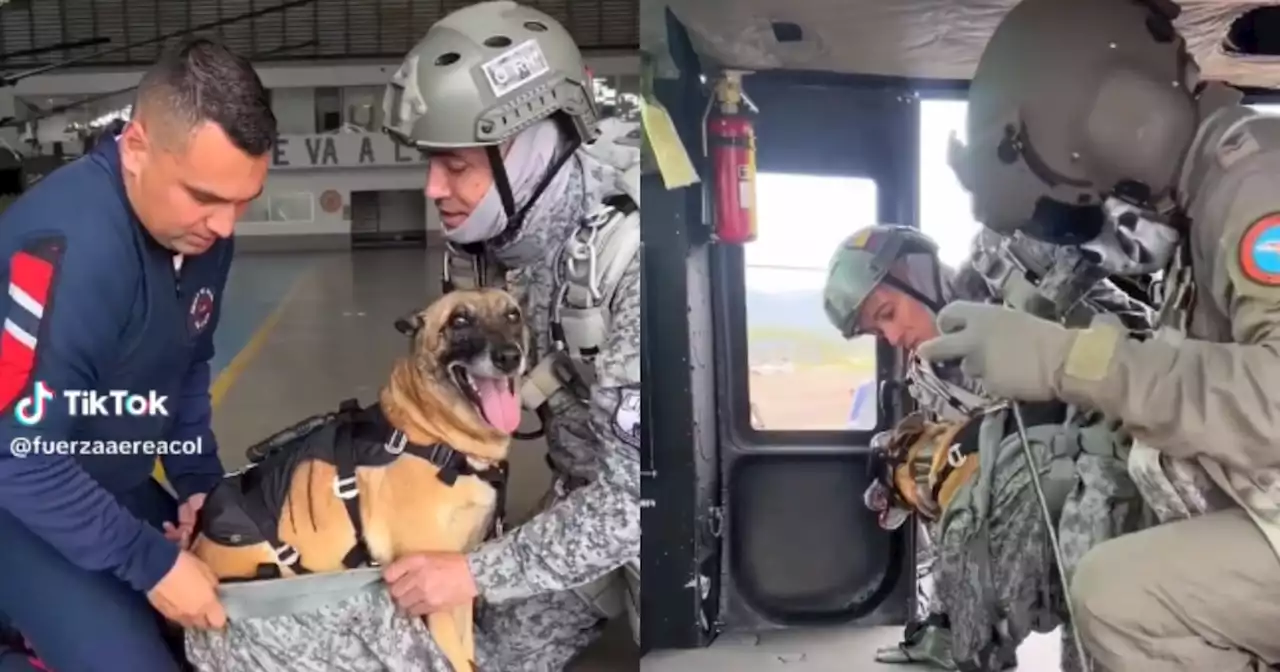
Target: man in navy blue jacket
<point x="115" y="267"/>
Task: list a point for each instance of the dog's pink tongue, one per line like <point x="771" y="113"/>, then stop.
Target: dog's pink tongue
<point x="500" y="405"/>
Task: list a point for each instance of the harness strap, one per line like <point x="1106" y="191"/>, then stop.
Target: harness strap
<point x="580" y="316"/>
<point x="266" y="522"/>
<point x="286" y="554"/>
<point x="346" y="488"/>
<point x="357" y="425"/>
<point x="963" y="444"/>
<point x="453" y="464"/>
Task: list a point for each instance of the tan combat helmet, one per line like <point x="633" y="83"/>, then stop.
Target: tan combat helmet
<point x="483" y="74"/>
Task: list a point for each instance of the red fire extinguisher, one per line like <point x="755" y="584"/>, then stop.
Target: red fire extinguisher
<point x="731" y="147"/>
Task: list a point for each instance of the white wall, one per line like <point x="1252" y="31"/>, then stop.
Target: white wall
<point x="89" y="81"/>
<point x="308" y="166"/>
<point x="290" y="185"/>
<point x="295" y="110"/>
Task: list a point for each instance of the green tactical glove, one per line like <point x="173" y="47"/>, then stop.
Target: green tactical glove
<point x="1014" y="355"/>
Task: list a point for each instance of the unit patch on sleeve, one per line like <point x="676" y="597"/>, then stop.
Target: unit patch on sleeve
<point x="1260" y="251"/>
<point x="626" y="417"/>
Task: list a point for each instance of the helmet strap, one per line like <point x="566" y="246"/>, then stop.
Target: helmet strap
<point x="932" y="304"/>
<point x="515" y="220"/>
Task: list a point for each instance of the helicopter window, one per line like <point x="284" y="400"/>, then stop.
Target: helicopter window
<point x="803" y="374"/>
<point x="285" y="207"/>
<point x="259" y="210"/>
<point x="294" y="207"/>
<point x="946" y="209"/>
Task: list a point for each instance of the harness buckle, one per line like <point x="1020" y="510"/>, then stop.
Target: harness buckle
<point x="287" y="555"/>
<point x="954" y="458"/>
<point x="396" y="442"/>
<point x="346" y="488"/>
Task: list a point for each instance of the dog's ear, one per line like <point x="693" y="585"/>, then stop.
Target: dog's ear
<point x="409" y="325"/>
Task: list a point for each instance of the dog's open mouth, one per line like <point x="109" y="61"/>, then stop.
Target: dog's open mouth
<point x="495" y="398"/>
<point x="880" y="500"/>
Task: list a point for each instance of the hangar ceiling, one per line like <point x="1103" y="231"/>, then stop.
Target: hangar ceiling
<point x="306" y="29"/>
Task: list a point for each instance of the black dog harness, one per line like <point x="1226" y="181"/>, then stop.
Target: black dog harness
<point x="245" y="508"/>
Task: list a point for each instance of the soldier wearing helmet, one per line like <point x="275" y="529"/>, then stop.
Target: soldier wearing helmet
<point x="1089" y="126"/>
<point x="987" y="566"/>
<point x="497" y="96"/>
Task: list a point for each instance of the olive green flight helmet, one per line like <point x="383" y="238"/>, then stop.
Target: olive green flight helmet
<point x="484" y="73"/>
<point x="1075" y="101"/>
<point x="863" y="261"/>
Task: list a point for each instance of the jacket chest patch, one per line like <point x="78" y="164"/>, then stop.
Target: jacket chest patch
<point x="201" y="310"/>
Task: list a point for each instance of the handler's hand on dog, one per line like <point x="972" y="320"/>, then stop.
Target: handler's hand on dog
<point x="187" y="594"/>
<point x="187" y="513"/>
<point x="429" y="582"/>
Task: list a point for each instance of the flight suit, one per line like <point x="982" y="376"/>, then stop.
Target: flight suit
<point x="1201" y="591"/>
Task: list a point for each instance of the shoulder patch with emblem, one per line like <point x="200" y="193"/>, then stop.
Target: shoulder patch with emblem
<point x="626" y="417"/>
<point x="1259" y="251"/>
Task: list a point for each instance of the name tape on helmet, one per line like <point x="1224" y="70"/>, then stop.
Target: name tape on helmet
<point x="513" y="68"/>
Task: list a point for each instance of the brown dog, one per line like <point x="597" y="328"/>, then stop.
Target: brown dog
<point x="918" y="466"/>
<point x="458" y="390"/>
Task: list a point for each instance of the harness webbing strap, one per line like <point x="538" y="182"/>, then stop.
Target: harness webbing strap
<point x="286" y="555"/>
<point x="355" y="426"/>
<point x="966" y="442"/>
<point x="347" y="489"/>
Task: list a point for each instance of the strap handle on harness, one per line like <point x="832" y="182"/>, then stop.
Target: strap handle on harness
<point x="591" y="265"/>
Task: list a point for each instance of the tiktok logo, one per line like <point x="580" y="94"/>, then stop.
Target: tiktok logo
<point x="30" y="411"/>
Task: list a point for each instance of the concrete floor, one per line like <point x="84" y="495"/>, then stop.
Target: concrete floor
<point x="301" y="332"/>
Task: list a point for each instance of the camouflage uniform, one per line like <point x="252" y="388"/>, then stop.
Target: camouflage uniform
<point x="993" y="577"/>
<point x="1196" y="168"/>
<point x="547" y="586"/>
<point x="589" y="532"/>
<point x="1022" y="594"/>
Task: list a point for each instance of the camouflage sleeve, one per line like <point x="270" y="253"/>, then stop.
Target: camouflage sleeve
<point x="596" y="528"/>
<point x="1198" y="397"/>
<point x="1108" y="298"/>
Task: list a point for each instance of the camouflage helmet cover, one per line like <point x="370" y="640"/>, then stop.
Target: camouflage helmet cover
<point x="861" y="263"/>
<point x="484" y="73"/>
